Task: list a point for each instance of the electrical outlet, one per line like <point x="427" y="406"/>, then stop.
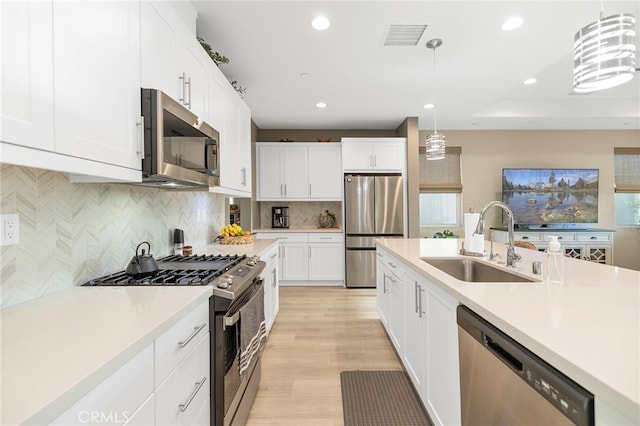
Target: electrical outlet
<point x="10" y="229"/>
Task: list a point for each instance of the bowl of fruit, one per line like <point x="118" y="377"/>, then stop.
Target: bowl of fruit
<point x="234" y="234"/>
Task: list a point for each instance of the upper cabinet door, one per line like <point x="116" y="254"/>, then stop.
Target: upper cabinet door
<point x="27" y="74"/>
<point x="270" y="173"/>
<point x="325" y="171"/>
<point x="356" y="156"/>
<point x="388" y="156"/>
<point x="97" y="81"/>
<point x="158" y="50"/>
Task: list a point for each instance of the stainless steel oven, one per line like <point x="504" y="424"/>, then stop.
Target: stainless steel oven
<point x="236" y="318"/>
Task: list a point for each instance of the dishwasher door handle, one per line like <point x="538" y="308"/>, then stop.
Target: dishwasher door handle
<point x="502" y="353"/>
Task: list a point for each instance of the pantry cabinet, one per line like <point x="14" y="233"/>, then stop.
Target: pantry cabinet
<point x="299" y="171"/>
<point x="373" y="154"/>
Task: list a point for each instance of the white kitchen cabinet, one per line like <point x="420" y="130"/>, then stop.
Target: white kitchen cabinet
<point x="96" y="68"/>
<point x="430" y="345"/>
<point x="326" y="257"/>
<point x="382" y="295"/>
<point x="172" y="59"/>
<point x="314" y="258"/>
<point x="299" y="171"/>
<point x="325" y="171"/>
<point x="392" y="276"/>
<point x="27" y="74"/>
<point x="117" y="397"/>
<point x="594" y="245"/>
<point x="180" y="397"/>
<point x="373" y="154"/>
<point x="282" y="172"/>
<point x="271" y="286"/>
<point x="145" y="415"/>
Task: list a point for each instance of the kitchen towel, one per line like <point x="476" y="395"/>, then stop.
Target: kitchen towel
<point x="253" y="331"/>
<point x="473" y="243"/>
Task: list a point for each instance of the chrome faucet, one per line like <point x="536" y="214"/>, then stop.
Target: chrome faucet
<point x="512" y="256"/>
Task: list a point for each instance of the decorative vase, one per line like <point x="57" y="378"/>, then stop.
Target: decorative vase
<point x="327" y="219"/>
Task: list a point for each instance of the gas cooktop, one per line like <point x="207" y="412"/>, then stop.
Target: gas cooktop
<point x="177" y="270"/>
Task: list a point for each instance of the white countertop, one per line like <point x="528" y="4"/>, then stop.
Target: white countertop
<point x="308" y="230"/>
<point x="57" y="348"/>
<point x="588" y="327"/>
<point x="257" y="248"/>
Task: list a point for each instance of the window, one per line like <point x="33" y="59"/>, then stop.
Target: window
<point x="627" y="185"/>
<point x="440" y="189"/>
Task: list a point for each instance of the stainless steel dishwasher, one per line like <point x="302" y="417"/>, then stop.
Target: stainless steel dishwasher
<point x="503" y="383"/>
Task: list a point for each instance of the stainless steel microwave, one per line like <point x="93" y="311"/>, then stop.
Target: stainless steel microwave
<point x="181" y="151"/>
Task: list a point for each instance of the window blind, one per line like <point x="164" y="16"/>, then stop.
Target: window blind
<point x="627" y="169"/>
<point x="441" y="175"/>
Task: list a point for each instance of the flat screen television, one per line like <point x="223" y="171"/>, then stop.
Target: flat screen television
<point x="548" y="197"/>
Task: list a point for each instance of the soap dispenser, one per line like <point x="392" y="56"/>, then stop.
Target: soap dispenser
<point x="555" y="261"/>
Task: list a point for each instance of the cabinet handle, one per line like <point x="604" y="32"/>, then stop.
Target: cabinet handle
<point x="384" y="282"/>
<point x="244" y="176"/>
<point x="375" y="162"/>
<point x="560" y="237"/>
<point x="594" y="238"/>
<point x="310" y="189"/>
<point x="415" y="294"/>
<point x="140" y="150"/>
<point x="183" y="99"/>
<point x="188" y="83"/>
<point x="285" y="189"/>
<point x="524" y="237"/>
<point x="196" y="330"/>
<point x="274" y="255"/>
<point x="183" y="407"/>
<point x="325" y="238"/>
<point x="420" y="311"/>
<point x="393" y="265"/>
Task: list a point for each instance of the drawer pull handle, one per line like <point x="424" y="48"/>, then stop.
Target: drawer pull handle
<point x="524" y="237"/>
<point x="183" y="407"/>
<point x="196" y="330"/>
<point x="274" y="255"/>
<point x="594" y="238"/>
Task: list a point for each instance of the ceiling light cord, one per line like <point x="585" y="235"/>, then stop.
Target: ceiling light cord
<point x="435" y="143"/>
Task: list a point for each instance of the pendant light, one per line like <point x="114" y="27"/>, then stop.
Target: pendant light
<point x="435" y="143"/>
<point x="604" y="53"/>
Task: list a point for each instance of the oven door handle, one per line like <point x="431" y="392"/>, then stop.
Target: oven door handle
<point x="229" y="321"/>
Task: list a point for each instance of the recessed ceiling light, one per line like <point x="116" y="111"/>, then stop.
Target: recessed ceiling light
<point x="530" y="81"/>
<point x="321" y="105"/>
<point x="512" y="23"/>
<point x="320" y="23"/>
<point x="304" y="74"/>
<point x="428" y="106"/>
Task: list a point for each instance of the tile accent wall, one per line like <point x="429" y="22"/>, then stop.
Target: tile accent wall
<point x="302" y="214"/>
<point x="70" y="233"/>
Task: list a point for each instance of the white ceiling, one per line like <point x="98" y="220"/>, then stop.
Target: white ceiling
<point x="479" y="75"/>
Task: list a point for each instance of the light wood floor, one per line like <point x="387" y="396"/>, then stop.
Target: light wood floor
<point x="319" y="332"/>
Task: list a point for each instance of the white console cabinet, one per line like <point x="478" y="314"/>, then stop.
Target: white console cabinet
<point x="594" y="245"/>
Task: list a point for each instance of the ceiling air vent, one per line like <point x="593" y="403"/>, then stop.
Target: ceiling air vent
<point x="404" y="34"/>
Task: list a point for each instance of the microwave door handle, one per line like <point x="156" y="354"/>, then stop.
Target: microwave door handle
<point x="210" y="143"/>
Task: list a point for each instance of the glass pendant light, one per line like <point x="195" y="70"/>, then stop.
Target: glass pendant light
<point x="435" y="143"/>
<point x="604" y="53"/>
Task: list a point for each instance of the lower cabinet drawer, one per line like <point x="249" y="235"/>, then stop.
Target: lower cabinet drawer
<point x="177" y="342"/>
<point x="145" y="415"/>
<point x="117" y="398"/>
<point x="180" y="398"/>
<point x="594" y="237"/>
<point x="326" y="238"/>
<point x="533" y="237"/>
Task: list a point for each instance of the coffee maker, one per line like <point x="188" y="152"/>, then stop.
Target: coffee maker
<point x="279" y="217"/>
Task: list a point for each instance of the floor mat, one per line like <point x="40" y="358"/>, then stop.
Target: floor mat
<point x="380" y="398"/>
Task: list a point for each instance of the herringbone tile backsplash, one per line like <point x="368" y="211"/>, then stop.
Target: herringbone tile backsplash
<point x="70" y="233"/>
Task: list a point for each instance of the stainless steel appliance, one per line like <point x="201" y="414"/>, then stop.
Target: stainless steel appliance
<point x="502" y="382"/>
<point x="180" y="150"/>
<point x="374" y="207"/>
<point x="236" y="284"/>
<point x="280" y="217"/>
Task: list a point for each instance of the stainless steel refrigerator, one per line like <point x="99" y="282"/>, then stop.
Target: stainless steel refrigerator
<point x="374" y="208"/>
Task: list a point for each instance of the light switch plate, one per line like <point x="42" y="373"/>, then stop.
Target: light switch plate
<point x="10" y="229"/>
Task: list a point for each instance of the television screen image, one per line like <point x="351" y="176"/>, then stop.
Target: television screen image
<point x="551" y="196"/>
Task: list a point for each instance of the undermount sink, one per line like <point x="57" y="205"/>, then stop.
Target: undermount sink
<point x="474" y="271"/>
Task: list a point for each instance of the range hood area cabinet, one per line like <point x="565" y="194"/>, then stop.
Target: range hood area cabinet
<point x="57" y="112"/>
<point x="125" y="46"/>
<point x="301" y="171"/>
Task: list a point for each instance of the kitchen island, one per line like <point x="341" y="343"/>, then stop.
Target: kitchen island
<point x="588" y="327"/>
